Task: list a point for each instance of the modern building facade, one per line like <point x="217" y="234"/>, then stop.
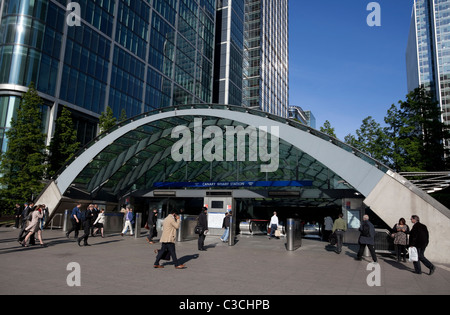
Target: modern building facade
<point x="229" y="54"/>
<point x="305" y="117"/>
<point x="313" y="175"/>
<point x="266" y="55"/>
<point x="428" y="51"/>
<point x="136" y="55"/>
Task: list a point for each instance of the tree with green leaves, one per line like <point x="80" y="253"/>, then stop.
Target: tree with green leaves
<point x="327" y="129"/>
<point x="23" y="164"/>
<point x="370" y="139"/>
<point x="64" y="143"/>
<point x="107" y="120"/>
<point x="416" y="134"/>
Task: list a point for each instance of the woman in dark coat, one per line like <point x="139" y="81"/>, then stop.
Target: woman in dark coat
<point x="203" y="223"/>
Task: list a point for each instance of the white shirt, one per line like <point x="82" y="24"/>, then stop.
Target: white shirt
<point x="274" y="220"/>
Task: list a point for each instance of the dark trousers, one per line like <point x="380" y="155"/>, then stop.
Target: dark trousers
<point x="339" y="240"/>
<point x="170" y="247"/>
<point x="87" y="230"/>
<point x="75" y="227"/>
<point x="371" y="249"/>
<point x="201" y="241"/>
<point x="426" y="262"/>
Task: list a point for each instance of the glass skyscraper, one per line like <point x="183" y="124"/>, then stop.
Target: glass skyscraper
<point x="228" y="65"/>
<point x="139" y="55"/>
<point x="266" y="67"/>
<point x="135" y="55"/>
<point x="428" y="51"/>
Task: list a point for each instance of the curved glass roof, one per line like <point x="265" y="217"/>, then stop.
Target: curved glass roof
<point x="141" y="159"/>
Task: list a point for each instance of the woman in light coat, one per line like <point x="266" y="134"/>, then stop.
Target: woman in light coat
<point x="34" y="226"/>
<point x="99" y="222"/>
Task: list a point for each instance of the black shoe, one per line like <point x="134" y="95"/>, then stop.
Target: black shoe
<point x="432" y="269"/>
<point x="86" y="244"/>
<point x="79" y="243"/>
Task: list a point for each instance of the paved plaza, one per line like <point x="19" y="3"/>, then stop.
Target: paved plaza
<point x="254" y="266"/>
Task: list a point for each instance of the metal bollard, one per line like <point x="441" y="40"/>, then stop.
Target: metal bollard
<point x="137" y="225"/>
<point x="65" y="220"/>
<point x="293" y="234"/>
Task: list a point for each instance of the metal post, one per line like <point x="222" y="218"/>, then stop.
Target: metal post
<point x="66" y="216"/>
<point x="293" y="234"/>
<point x="232" y="232"/>
<point x="137" y="228"/>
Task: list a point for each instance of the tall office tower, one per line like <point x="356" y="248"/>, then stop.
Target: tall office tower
<point x="228" y="62"/>
<point x="266" y="66"/>
<point x="135" y="55"/>
<point x="428" y="51"/>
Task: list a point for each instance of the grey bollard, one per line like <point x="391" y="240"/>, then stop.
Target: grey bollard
<point x="65" y="220"/>
<point x="137" y="227"/>
<point x="293" y="234"/>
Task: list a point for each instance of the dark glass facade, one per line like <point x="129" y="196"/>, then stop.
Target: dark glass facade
<point x="136" y="55"/>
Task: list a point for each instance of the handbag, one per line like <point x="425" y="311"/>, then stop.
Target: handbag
<point x="198" y="229"/>
<point x="165" y="255"/>
<point x="413" y="255"/>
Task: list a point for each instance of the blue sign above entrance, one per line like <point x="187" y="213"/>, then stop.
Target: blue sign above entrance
<point x="293" y="183"/>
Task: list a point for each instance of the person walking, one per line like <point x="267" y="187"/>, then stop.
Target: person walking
<point x="170" y="226"/>
<point x="26" y="218"/>
<point x="99" y="223"/>
<point x="129" y="221"/>
<point x="86" y="221"/>
<point x="35" y="226"/>
<point x="400" y="233"/>
<point x="151" y="222"/>
<point x="366" y="238"/>
<point x="203" y="223"/>
<point x="273" y="225"/>
<point x="419" y="238"/>
<point x="17" y="215"/>
<point x="226" y="226"/>
<point x="339" y="228"/>
<point x="75" y="219"/>
<point x="328" y="228"/>
<point x="95" y="214"/>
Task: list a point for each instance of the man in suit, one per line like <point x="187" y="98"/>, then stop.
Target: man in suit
<point x="419" y="238"/>
<point x="170" y="226"/>
<point x="86" y="222"/>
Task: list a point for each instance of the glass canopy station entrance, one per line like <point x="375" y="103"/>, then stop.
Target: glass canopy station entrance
<point x="229" y="158"/>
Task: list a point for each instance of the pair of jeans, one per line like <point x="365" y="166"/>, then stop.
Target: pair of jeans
<point x="339" y="240"/>
<point x="226" y="234"/>
<point x="426" y="262"/>
<point x="273" y="228"/>
<point x="127" y="225"/>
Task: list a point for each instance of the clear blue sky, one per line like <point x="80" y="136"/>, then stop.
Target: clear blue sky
<point x="340" y="68"/>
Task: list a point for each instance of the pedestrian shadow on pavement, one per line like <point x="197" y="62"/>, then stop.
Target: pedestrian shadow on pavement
<point x="183" y="260"/>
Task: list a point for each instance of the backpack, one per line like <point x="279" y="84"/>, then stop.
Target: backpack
<point x="365" y="231"/>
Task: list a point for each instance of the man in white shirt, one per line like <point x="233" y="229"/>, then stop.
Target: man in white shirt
<point x="273" y="225"/>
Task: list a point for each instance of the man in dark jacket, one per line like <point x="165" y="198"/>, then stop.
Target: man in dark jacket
<point x="367" y="238"/>
<point x="203" y="223"/>
<point x="419" y="239"/>
<point x="86" y="222"/>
